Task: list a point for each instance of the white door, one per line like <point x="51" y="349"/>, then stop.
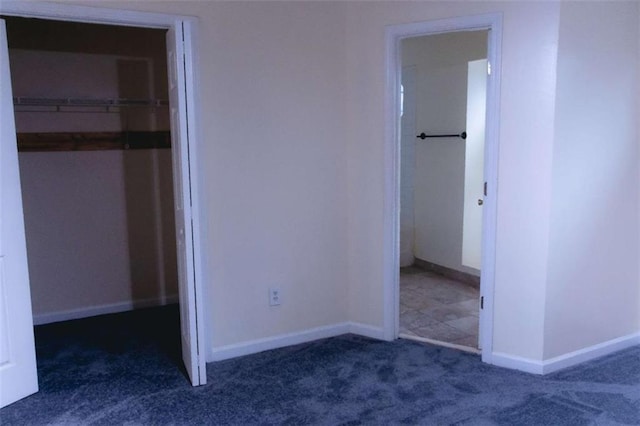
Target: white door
<point x="474" y="169"/>
<point x="192" y="354"/>
<point x="18" y="376"/>
<point x="474" y="164"/>
<point x="407" y="164"/>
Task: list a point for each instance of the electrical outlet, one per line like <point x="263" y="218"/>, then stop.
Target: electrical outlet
<point x="274" y="296"/>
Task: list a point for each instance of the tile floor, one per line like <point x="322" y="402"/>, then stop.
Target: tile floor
<point x="434" y="307"/>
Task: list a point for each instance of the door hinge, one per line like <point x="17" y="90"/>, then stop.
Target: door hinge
<point x="488" y="68"/>
<point x="482" y="302"/>
<point x="485" y="189"/>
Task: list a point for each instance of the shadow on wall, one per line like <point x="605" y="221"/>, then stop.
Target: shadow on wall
<point x="150" y="224"/>
<point x="148" y="191"/>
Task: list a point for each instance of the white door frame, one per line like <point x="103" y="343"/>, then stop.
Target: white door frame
<point x="393" y="37"/>
<point x="188" y="26"/>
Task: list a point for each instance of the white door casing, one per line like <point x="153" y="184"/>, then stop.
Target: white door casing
<point x="394" y="34"/>
<point x="183" y="29"/>
<point x="193" y="359"/>
<point x="18" y="375"/>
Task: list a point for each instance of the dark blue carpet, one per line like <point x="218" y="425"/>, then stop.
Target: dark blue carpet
<point x="125" y="369"/>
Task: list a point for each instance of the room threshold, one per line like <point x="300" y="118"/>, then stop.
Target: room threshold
<point x="440" y="343"/>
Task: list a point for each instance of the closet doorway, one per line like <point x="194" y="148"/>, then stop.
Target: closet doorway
<point x="183" y="111"/>
<point x="441" y="186"/>
<point x="94" y="149"/>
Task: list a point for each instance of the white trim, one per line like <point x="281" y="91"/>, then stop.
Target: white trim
<point x="393" y="36"/>
<point x="440" y="343"/>
<point x="367" y="330"/>
<point x="567" y="360"/>
<point x="283" y="340"/>
<point x="188" y="26"/>
<point x="290" y="339"/>
<point x="490" y="206"/>
<point x="89" y="14"/>
<point x="197" y="215"/>
<point x="391" y="170"/>
<point x="592" y="352"/>
<point x="513" y="362"/>
<point x="111" y="308"/>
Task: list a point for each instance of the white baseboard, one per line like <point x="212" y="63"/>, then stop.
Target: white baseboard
<point x="567" y="360"/>
<point x="474" y="351"/>
<point x="289" y="339"/>
<point x="592" y="352"/>
<point x="268" y="343"/>
<point x="91" y="311"/>
<point x="366" y="330"/>
<point x="513" y="362"/>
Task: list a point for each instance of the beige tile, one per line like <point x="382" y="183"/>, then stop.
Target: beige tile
<point x="469" y="341"/>
<point x="472" y="306"/>
<point x="407" y="318"/>
<point x="408" y="332"/>
<point x="441" y="331"/>
<point x="407" y="282"/>
<point x="404" y="309"/>
<point x="467" y="290"/>
<point x="446" y="313"/>
<point x="428" y="281"/>
<point x="427" y="289"/>
<point x="426" y="302"/>
<point x="416" y="281"/>
<point x="414" y="301"/>
<point x="416" y="319"/>
<point x="435" y="307"/>
<point x="406" y="294"/>
<point x="467" y="324"/>
<point x="448" y="295"/>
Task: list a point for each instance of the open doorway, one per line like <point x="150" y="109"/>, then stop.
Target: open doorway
<point x="93" y="137"/>
<point x="18" y="377"/>
<point x="491" y="26"/>
<point x="95" y="163"/>
<point x="441" y="185"/>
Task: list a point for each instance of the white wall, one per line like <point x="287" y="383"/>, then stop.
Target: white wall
<point x="99" y="224"/>
<point x="441" y="63"/>
<point x="273" y="92"/>
<point x="594" y="253"/>
<point x="99" y="227"/>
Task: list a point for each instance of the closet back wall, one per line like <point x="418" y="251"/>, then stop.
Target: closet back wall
<point x="99" y="224"/>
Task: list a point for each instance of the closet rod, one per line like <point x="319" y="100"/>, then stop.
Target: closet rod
<point x="88" y="102"/>
<point x="423" y="136"/>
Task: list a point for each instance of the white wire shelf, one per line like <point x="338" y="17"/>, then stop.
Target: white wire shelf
<point x="109" y="105"/>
